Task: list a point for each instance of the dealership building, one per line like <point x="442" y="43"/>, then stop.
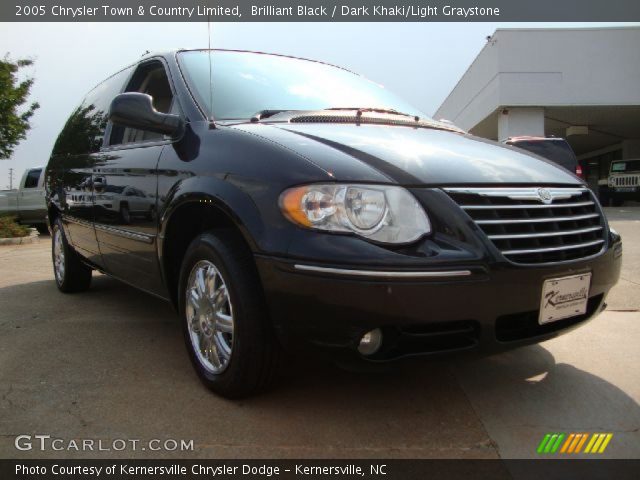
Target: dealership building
<point x="579" y="84"/>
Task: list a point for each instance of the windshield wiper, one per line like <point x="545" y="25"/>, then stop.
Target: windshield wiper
<point x="361" y="110"/>
<point x="262" y="114"/>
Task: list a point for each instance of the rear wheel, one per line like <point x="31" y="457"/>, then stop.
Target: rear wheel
<point x="125" y="214"/>
<point x="225" y="323"/>
<point x="70" y="273"/>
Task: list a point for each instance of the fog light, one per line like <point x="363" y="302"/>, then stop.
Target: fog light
<point x="370" y="342"/>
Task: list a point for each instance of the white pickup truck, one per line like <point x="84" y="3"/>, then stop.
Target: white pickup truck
<point x="27" y="203"/>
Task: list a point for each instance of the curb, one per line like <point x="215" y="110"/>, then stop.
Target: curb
<point x="33" y="237"/>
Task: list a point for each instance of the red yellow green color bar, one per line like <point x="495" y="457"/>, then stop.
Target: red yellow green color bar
<point x="573" y="443"/>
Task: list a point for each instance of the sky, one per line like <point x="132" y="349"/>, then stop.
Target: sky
<point x="421" y="62"/>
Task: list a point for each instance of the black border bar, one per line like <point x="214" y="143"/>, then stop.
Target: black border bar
<point x="380" y="469"/>
<point x="320" y="10"/>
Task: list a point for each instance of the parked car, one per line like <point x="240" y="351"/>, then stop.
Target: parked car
<point x="624" y="181"/>
<point x="124" y="202"/>
<point x="555" y="149"/>
<point x="27" y="203"/>
<point x="304" y="208"/>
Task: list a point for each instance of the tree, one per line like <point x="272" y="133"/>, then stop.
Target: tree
<point x="14" y="120"/>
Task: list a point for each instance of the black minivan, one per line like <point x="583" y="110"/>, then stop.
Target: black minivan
<point x="283" y="204"/>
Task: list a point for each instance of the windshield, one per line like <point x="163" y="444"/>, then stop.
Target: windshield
<point x="627" y="166"/>
<point x="555" y="150"/>
<point x="245" y="83"/>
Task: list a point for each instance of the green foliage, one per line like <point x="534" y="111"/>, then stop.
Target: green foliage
<point x="82" y="133"/>
<point x="14" y="121"/>
<point x="10" y="229"/>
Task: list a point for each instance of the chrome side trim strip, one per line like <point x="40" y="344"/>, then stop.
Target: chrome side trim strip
<point x="529" y="193"/>
<point x="538" y="220"/>
<point x="560" y="233"/>
<point x="77" y="221"/>
<point x="382" y="273"/>
<point x="552" y="249"/>
<point x="140" y="237"/>
<point x="525" y="207"/>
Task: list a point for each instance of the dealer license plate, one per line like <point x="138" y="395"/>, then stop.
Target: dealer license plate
<point x="625" y="189"/>
<point x="564" y="297"/>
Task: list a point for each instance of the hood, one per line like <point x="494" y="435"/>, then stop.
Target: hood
<point x="409" y="155"/>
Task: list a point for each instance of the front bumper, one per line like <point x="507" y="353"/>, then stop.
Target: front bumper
<point x="493" y="308"/>
<point x="628" y="193"/>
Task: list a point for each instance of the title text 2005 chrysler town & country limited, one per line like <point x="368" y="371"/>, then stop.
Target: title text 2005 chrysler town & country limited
<point x="287" y="204"/>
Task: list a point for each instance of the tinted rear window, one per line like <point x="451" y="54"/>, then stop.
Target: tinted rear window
<point x="84" y="131"/>
<point x="557" y="151"/>
<point x="628" y="166"/>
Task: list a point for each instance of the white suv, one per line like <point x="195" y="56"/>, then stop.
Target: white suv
<point x="624" y="181"/>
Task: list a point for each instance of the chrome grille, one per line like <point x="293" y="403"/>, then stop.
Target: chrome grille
<point x="529" y="231"/>
<point x="627" y="181"/>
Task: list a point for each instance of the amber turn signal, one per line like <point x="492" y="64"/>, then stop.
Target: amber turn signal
<point x="291" y="205"/>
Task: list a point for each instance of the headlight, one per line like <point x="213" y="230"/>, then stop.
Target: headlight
<point x="386" y="214"/>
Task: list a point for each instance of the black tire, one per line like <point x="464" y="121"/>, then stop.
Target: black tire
<point x="42" y="229"/>
<point x="151" y="214"/>
<point x="617" y="202"/>
<point x="125" y="214"/>
<point x="604" y="196"/>
<point x="75" y="276"/>
<point x="255" y="351"/>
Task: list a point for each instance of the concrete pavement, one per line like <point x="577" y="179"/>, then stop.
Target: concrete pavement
<point x="110" y="363"/>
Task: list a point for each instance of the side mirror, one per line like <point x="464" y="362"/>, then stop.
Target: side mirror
<point x="135" y="110"/>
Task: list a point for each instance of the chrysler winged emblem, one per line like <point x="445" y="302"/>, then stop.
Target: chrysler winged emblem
<point x="545" y="196"/>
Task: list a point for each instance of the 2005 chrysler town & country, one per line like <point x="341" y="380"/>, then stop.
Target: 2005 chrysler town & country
<point x="287" y="204"/>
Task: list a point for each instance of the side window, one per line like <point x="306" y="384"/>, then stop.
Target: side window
<point x="150" y="78"/>
<point x="84" y="131"/>
<point x="32" y="178"/>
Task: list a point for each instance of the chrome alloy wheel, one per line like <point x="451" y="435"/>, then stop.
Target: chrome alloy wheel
<point x="58" y="255"/>
<point x="209" y="316"/>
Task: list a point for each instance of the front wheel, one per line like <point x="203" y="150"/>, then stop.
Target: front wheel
<point x="617" y="201"/>
<point x="70" y="273"/>
<point x="225" y="323"/>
